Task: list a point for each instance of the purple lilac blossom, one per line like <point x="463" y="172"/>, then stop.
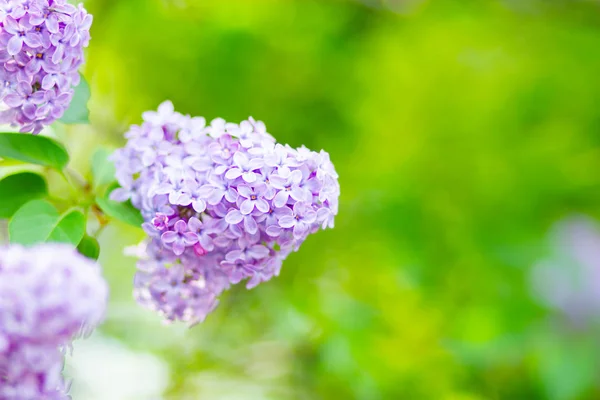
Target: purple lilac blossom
<point x="49" y="295"/>
<point x="41" y="49"/>
<point x="569" y="280"/>
<point x="222" y="203"/>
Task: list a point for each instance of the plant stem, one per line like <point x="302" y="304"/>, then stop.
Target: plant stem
<point x="3" y="231"/>
<point x="80" y="180"/>
<point x="99" y="230"/>
<point x="72" y="188"/>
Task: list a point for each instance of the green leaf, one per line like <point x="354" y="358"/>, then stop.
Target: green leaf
<point x="18" y="189"/>
<point x="89" y="247"/>
<point x="103" y="169"/>
<point x="10" y="163"/>
<point x="124" y="212"/>
<point x="69" y="229"/>
<point x="33" y="149"/>
<point x="38" y="221"/>
<point x="566" y="380"/>
<point x="33" y="222"/>
<point x="78" y="112"/>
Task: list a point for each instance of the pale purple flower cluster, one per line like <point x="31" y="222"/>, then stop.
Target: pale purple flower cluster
<point x="222" y="203"/>
<point x="41" y="48"/>
<point x="49" y="294"/>
<point x="569" y="280"/>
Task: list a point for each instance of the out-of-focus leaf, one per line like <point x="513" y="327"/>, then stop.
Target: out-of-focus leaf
<point x="124" y="211"/>
<point x="18" y="189"/>
<point x="103" y="169"/>
<point x="33" y="222"/>
<point x="69" y="229"/>
<point x="566" y="380"/>
<point x="33" y="149"/>
<point x="10" y="163"/>
<point x="38" y="221"/>
<point x="78" y="112"/>
<point x="89" y="247"/>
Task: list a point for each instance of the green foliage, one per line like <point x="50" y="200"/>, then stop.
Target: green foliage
<point x="103" y="170"/>
<point x="78" y="112"/>
<point x="89" y="247"/>
<point x="33" y="149"/>
<point x="38" y="221"/>
<point x="33" y="222"/>
<point x="70" y="228"/>
<point x="123" y="212"/>
<point x="17" y="189"/>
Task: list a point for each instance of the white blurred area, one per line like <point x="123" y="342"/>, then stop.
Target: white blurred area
<point x="102" y="368"/>
<point x="216" y="386"/>
<point x="266" y="367"/>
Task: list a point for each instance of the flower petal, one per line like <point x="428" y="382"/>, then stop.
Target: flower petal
<point x="273" y="230"/>
<point x="310" y="216"/>
<point x="199" y="205"/>
<point x="58" y="54"/>
<point x="231" y="195"/>
<point x="247" y="207"/>
<point x="169" y="237"/>
<point x="163" y="188"/>
<point x="281" y="198"/>
<point x="287" y="221"/>
<point x="52" y="25"/>
<point x="33" y="39"/>
<point x="258" y="251"/>
<point x="194" y="224"/>
<point x="14" y="46"/>
<point x="249" y="176"/>
<point x="13" y="100"/>
<point x="295" y="177"/>
<point x="206" y="242"/>
<point x="234" y="255"/>
<point x="299" y="194"/>
<point x="234" y="217"/>
<point x="221" y="241"/>
<point x="190" y="238"/>
<point x="250" y="225"/>
<point x="205" y="191"/>
<point x="245" y="190"/>
<point x="178" y="247"/>
<point x="233" y="173"/>
<point x="180" y="226"/>
<point x="262" y="205"/>
<point x="240" y="159"/>
<point x="184" y="200"/>
<point x="300" y="230"/>
<point x="120" y="194"/>
<point x="216" y="197"/>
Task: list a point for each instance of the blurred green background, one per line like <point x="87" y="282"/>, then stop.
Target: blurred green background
<point x="461" y="130"/>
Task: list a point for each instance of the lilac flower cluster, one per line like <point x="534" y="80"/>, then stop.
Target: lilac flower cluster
<point x="49" y="294"/>
<point x="569" y="280"/>
<point x="222" y="203"/>
<point x="41" y="48"/>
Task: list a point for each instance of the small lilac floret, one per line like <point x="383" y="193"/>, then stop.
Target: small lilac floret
<point x="179" y="238"/>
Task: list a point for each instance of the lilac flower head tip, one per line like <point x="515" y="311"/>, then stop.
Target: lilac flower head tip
<point x="238" y="204"/>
